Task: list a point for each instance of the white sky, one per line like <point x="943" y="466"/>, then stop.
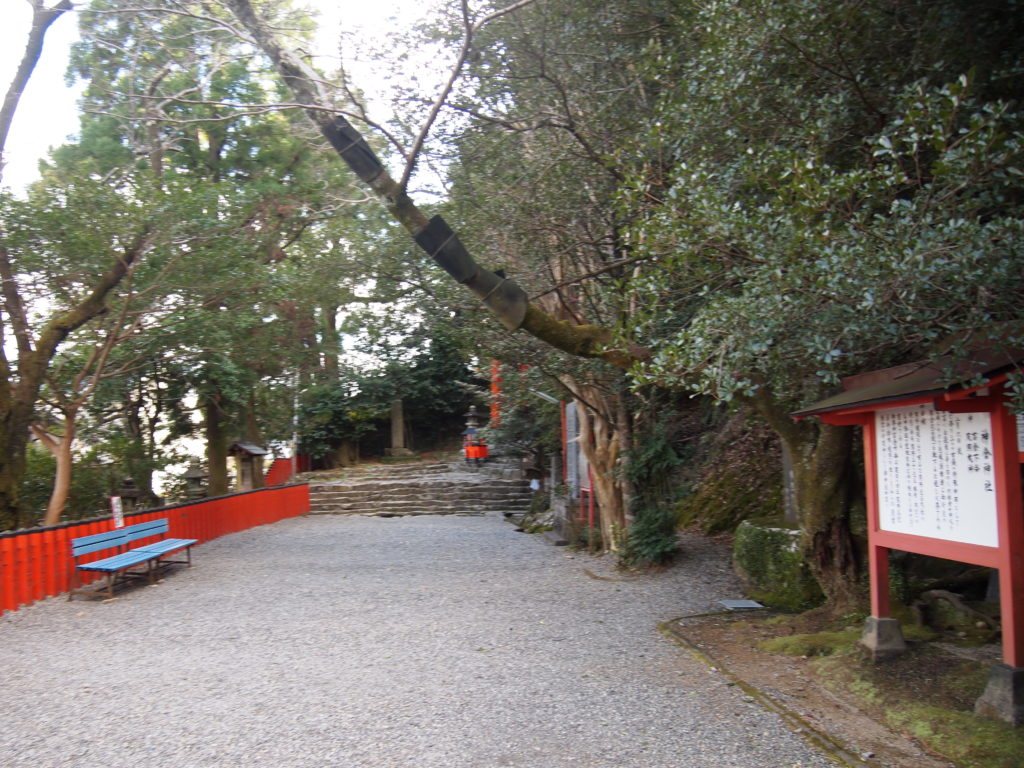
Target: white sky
<point x="47" y="114"/>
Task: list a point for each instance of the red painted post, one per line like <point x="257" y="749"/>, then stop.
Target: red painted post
<point x="52" y="562"/>
<point x="62" y="548"/>
<point x="202" y="514"/>
<point x="8" y="601"/>
<point x="37" y="556"/>
<point x="1010" y="512"/>
<point x="496" y="387"/>
<point x="878" y="557"/>
<point x="22" y="570"/>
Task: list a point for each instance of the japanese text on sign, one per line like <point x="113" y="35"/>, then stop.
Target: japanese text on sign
<point x="935" y="475"/>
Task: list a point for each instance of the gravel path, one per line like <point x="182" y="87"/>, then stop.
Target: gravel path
<point x="417" y="642"/>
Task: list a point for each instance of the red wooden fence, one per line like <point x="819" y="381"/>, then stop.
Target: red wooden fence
<point x="36" y="563"/>
<point x="280" y="472"/>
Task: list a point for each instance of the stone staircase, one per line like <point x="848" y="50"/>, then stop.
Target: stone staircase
<point x="420" y="488"/>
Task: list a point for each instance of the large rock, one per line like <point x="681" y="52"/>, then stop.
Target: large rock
<point x="768" y="557"/>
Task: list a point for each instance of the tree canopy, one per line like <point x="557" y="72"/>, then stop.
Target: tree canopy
<point x="741" y="202"/>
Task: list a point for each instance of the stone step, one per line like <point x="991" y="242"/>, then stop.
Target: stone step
<point x="396" y="512"/>
<point x="411" y="513"/>
<point x="419" y="493"/>
<point x="432" y="485"/>
<point x="423" y="509"/>
<point x="348" y="505"/>
<point x="438" y="488"/>
<point x="464" y="498"/>
<point x="410" y="470"/>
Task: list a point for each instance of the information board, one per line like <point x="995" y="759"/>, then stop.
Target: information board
<point x="936" y="475"/>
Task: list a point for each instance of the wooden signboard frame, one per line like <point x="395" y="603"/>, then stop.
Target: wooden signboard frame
<point x="995" y="450"/>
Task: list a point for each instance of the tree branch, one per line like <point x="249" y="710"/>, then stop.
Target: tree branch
<point x="42" y="18"/>
<point x="505" y="299"/>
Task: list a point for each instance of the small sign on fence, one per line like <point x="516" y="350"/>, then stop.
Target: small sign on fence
<point x="118" y="511"/>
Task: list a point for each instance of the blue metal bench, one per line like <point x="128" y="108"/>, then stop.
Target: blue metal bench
<point x="118" y="567"/>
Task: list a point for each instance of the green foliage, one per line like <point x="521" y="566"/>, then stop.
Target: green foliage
<point x="436" y="388"/>
<point x="651" y="539"/>
<point x="529" y="426"/>
<point x="823" y="208"/>
<point x="333" y="415"/>
<point x="650" y="464"/>
<point x="92" y="483"/>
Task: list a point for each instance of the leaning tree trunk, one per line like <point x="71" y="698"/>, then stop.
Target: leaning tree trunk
<point x="503" y="297"/>
<point x="59" y="447"/>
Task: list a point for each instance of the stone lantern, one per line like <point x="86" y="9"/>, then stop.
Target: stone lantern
<point x="195" y="481"/>
<point x="129" y="495"/>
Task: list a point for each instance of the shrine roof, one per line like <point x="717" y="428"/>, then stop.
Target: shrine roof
<point x="919" y="379"/>
<point x="251" y="448"/>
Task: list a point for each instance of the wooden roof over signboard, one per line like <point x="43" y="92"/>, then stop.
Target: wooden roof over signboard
<point x="918" y="379"/>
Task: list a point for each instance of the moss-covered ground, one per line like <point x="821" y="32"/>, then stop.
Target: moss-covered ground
<point x="927" y="693"/>
<point x="813" y="665"/>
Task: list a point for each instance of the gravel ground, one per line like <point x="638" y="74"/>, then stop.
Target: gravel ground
<point x="416" y="642"/>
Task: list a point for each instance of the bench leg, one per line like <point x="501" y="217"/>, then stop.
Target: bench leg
<point x="76" y="583"/>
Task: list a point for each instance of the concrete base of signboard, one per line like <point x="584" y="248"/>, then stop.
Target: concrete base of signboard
<point x="1003" y="698"/>
<point x="883" y="637"/>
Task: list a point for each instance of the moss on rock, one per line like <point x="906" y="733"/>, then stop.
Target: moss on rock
<point x="768" y="557"/>
<point x="737" y="477"/>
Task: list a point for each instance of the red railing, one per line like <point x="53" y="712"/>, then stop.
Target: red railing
<point x="36" y="563"/>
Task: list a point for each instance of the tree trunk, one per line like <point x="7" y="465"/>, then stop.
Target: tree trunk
<point x="504" y="298"/>
<point x="601" y="442"/>
<point x="59" y="447"/>
<point x="624" y="419"/>
<point x="823" y="474"/>
<point x="216" y="447"/>
<point x="252" y="425"/>
<point x="140" y="432"/>
<point x="330" y="343"/>
<point x="14" y="436"/>
<point x="18" y="393"/>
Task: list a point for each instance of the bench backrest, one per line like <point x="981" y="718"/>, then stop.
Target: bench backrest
<point x="83" y="545"/>
<point x="145" y="530"/>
